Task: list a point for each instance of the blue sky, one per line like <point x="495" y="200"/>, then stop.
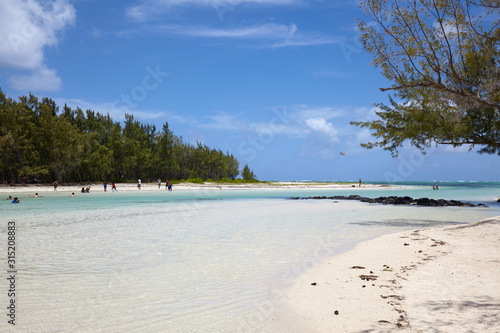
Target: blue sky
<point x="274" y="82"/>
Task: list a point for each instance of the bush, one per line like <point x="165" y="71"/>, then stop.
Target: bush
<point x="195" y="180"/>
<point x="237" y="181"/>
<point x="224" y="180"/>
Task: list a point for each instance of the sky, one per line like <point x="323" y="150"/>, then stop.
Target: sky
<point x="273" y="82"/>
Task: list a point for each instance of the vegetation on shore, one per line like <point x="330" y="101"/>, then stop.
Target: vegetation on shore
<point x="39" y="141"/>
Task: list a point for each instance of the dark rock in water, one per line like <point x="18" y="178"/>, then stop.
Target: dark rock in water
<point x="395" y="200"/>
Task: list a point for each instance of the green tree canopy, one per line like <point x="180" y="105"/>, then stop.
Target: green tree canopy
<point x="442" y="57"/>
<point x="38" y="141"/>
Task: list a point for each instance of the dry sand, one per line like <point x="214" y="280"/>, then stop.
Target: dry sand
<point x="441" y="279"/>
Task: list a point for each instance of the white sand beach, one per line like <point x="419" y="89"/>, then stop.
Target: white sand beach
<point x="441" y="279"/>
<point x="29" y="188"/>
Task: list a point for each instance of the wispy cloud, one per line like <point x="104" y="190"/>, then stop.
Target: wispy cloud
<point x="266" y="35"/>
<point x="269" y="30"/>
<point x="42" y="79"/>
<point x="147" y="9"/>
<point x="263" y="35"/>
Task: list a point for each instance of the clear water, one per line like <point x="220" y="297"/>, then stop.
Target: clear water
<point x="190" y="261"/>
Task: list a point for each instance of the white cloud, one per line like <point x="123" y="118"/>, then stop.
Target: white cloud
<point x="43" y="79"/>
<point x="320" y="125"/>
<point x="26" y="28"/>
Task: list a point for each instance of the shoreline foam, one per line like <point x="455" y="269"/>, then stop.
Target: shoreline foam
<point x="441" y="279"/>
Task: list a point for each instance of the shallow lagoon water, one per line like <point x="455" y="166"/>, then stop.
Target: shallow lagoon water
<point x="191" y="261"/>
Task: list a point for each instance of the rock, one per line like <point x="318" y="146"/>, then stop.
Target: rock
<point x="395" y="200"/>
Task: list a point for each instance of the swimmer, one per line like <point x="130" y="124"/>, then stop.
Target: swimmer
<point x="35" y="196"/>
<point x="10" y="197"/>
<point x="72" y="194"/>
<point x="16" y="200"/>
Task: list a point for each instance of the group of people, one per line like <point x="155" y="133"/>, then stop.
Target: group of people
<point x="435" y="187"/>
<point x="113" y="186"/>
<point x="168" y="184"/>
<point x="15" y="200"/>
<point x="85" y="189"/>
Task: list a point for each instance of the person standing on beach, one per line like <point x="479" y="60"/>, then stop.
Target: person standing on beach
<point x="159" y="183"/>
<point x="359" y="182"/>
<point x="56" y="184"/>
<point x="139" y="183"/>
<point x="113" y="187"/>
<point x="105" y="186"/>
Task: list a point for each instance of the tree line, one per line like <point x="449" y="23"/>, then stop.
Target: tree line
<point x="39" y="141"/>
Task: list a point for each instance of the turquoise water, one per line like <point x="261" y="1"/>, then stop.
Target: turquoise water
<point x="192" y="260"/>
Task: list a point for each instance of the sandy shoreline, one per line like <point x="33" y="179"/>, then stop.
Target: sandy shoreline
<point x="32" y="188"/>
<point x="442" y="279"/>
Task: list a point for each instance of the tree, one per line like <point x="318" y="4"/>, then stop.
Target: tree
<point x="232" y="166"/>
<point x="443" y="59"/>
<point x="248" y="174"/>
